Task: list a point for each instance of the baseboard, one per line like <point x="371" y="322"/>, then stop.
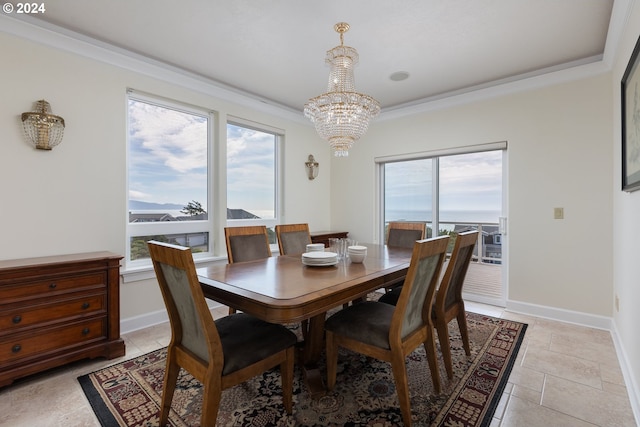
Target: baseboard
<point x="633" y="390"/>
<point x="559" y="314"/>
<point x="150" y="319"/>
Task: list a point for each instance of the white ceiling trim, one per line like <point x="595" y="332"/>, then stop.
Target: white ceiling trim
<point x="63" y="39"/>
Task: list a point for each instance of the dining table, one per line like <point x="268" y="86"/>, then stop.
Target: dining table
<point x="281" y="289"/>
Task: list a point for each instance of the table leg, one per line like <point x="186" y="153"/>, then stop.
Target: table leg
<point x="313" y="344"/>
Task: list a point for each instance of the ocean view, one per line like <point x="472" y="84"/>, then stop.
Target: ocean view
<point x="473" y="216"/>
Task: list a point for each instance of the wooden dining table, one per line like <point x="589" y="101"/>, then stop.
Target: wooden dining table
<point x="283" y="290"/>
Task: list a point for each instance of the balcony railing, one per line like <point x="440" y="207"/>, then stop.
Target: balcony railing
<point x="489" y="244"/>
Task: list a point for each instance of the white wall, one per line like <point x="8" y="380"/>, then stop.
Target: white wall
<point x="559" y="155"/>
<point x="73" y="199"/>
<point x="626" y="229"/>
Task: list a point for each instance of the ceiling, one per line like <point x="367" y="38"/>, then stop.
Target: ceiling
<point x="274" y="49"/>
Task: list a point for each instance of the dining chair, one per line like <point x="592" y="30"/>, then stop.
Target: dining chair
<point x="403" y="234"/>
<point x="247" y="243"/>
<point x="448" y="303"/>
<point x="218" y="353"/>
<point x="293" y="238"/>
<point x="390" y="333"/>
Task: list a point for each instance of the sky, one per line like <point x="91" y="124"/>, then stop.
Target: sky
<point x="168" y="160"/>
<point x="467" y="182"/>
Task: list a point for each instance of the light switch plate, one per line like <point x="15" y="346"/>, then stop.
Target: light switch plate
<point x="558" y="213"/>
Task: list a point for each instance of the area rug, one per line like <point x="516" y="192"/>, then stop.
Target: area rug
<point x="128" y="393"/>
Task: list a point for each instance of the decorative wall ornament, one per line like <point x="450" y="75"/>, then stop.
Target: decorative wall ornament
<point x="312" y="167"/>
<point x="43" y="129"/>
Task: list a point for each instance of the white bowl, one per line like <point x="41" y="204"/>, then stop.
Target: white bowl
<point x="315" y="247"/>
<point x="357" y="258"/>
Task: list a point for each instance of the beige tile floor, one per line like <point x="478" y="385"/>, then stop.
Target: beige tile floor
<point x="565" y="375"/>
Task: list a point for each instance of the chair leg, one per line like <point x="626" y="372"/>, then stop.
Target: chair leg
<point x="464" y="331"/>
<point x="445" y="347"/>
<point x="286" y="377"/>
<point x="402" y="386"/>
<point x="430" y="349"/>
<point x="332" y="360"/>
<point x="211" y="396"/>
<point x="232" y="310"/>
<point x="169" y="386"/>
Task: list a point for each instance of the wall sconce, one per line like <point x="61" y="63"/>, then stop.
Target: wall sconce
<point x="312" y="167"/>
<point x="43" y="129"/>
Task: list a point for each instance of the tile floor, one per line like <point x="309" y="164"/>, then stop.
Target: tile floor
<point x="565" y="375"/>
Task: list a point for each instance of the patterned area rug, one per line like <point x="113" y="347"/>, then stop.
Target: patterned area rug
<point x="128" y="393"/>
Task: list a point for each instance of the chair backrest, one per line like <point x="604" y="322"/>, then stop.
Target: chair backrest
<point x="192" y="325"/>
<point x="247" y="243"/>
<point x="413" y="309"/>
<point x="405" y="234"/>
<point x="450" y="291"/>
<point x="293" y="238"/>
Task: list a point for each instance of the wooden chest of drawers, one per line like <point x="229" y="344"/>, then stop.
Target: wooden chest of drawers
<point x="54" y="310"/>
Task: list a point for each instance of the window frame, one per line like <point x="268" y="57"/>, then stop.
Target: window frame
<point x="279" y="137"/>
<point x="171" y="227"/>
<point x="435" y="156"/>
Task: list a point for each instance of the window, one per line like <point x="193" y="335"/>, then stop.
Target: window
<point x="408" y="190"/>
<point x="450" y="191"/>
<point x="252" y="175"/>
<point x="168" y="176"/>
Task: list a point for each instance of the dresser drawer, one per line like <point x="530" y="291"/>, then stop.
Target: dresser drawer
<point x="18" y="318"/>
<point x="52" y="286"/>
<point x="48" y="340"/>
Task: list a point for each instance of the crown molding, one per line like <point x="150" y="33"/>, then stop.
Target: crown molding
<point x="60" y="38"/>
<point x="57" y="37"/>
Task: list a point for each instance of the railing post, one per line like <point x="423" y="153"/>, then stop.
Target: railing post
<point x="480" y="245"/>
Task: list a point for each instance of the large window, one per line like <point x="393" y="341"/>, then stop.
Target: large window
<point x="168" y="176"/>
<point x="252" y="175"/>
<point x="451" y="192"/>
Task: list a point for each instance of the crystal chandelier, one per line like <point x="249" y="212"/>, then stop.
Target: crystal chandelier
<point x="341" y="115"/>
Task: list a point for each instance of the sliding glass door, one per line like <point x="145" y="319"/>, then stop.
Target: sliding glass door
<point x="452" y="193"/>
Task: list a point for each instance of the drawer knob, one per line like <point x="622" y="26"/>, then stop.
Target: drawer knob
<point x="52" y="285"/>
<point x="16" y="348"/>
<point x="85" y="331"/>
<point x="17" y="319"/>
<point x="85" y="305"/>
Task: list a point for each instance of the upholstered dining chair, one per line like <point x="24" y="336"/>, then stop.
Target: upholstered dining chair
<point x="390" y="333"/>
<point x="448" y="303"/>
<point x="403" y="234"/>
<point x="247" y="243"/>
<point x="220" y="353"/>
<point x="293" y="238"/>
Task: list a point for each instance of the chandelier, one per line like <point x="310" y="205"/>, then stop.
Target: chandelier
<point x="341" y="115"/>
<point x="43" y="129"/>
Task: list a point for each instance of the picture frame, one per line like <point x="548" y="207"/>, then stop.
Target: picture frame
<point x="631" y="122"/>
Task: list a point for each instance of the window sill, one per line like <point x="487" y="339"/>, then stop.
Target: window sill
<point x="146" y="273"/>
